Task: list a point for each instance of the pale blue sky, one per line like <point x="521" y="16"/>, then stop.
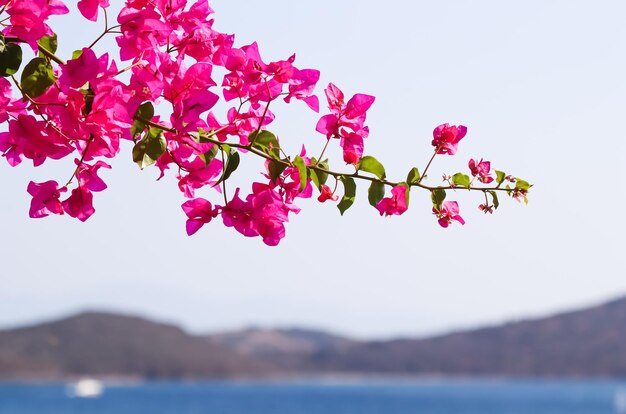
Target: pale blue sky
<point x="540" y="86"/>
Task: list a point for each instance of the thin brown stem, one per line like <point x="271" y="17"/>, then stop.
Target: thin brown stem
<point x="323" y="151"/>
<point x="82" y="159"/>
<point x="224" y="181"/>
<point x="428" y="166"/>
<point x="335" y="174"/>
<point x="51" y="55"/>
<point x="267" y="107"/>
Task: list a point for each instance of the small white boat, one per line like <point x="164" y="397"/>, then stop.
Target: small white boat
<point x="86" y="388"/>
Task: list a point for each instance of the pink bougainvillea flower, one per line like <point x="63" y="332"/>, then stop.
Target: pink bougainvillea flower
<point x="45" y="198"/>
<point x="89" y="8"/>
<point x="263" y="213"/>
<point x="79" y="204"/>
<point x="449" y="211"/>
<point x="81" y="70"/>
<point x="446" y="138"/>
<point x="199" y="212"/>
<point x="481" y="170"/>
<point x="396" y="204"/>
<point x="238" y="214"/>
<point x="352" y="145"/>
<point x="346" y="121"/>
<point x="301" y="86"/>
<point x="207" y="175"/>
<point x="288" y="181"/>
<point x="5" y="99"/>
<point x="485" y="208"/>
<point x="269" y="215"/>
<point x="88" y="175"/>
<point x="344" y="116"/>
<point x="34" y="139"/>
<point x="28" y="19"/>
<point x="520" y="195"/>
<point x="141" y="30"/>
<point x="327" y="194"/>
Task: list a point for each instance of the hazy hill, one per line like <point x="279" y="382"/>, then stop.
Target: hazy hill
<point x="113" y="345"/>
<point x="590" y="342"/>
<point x="287" y="350"/>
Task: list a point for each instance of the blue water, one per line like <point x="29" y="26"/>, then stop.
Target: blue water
<point x="457" y="397"/>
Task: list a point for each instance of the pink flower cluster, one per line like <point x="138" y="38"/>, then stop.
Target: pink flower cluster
<point x="346" y="121"/>
<point x="171" y="49"/>
<point x="396" y="204"/>
<point x="446" y="138"/>
<point x="448" y="212"/>
<point x="481" y="170"/>
<point x="46" y="196"/>
<point x="28" y="18"/>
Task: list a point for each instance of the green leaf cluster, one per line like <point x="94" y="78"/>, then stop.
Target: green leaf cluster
<point x="462" y="180"/>
<point x="375" y="193"/>
<point x="302" y="171"/>
<point x="438" y="196"/>
<point x="372" y="165"/>
<point x="349" y="194"/>
<point x="150" y="148"/>
<point x="500" y="177"/>
<point x="37" y="77"/>
<point x="413" y="176"/>
<point x="10" y="58"/>
<point x="144" y="113"/>
<point x="494" y="196"/>
<point x="318" y="177"/>
<point x="230" y="163"/>
<point x="522" y="184"/>
<point x="265" y="142"/>
<point x="50" y="43"/>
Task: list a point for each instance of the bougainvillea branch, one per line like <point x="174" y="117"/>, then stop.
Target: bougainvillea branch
<point x="82" y="108"/>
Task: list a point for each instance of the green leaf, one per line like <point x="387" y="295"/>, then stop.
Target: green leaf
<point x="204" y="136"/>
<point x="302" y="171"/>
<point x="521" y="184"/>
<point x="89" y="96"/>
<point x="77" y="53"/>
<point x="413" y="176"/>
<point x="319" y="177"/>
<point x="150" y="148"/>
<point x="500" y="177"/>
<point x="438" y="196"/>
<point x="49" y="43"/>
<point x="372" y="165"/>
<point x="407" y="192"/>
<point x="349" y="194"/>
<point x="37" y="77"/>
<point x="461" y="180"/>
<point x="276" y="168"/>
<point x="375" y="193"/>
<point x="232" y="162"/>
<point x="10" y="58"/>
<point x="494" y="196"/>
<point x="208" y="156"/>
<point x="266" y="142"/>
<point x="145" y="112"/>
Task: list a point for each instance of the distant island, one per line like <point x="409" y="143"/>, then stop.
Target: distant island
<point x="584" y="343"/>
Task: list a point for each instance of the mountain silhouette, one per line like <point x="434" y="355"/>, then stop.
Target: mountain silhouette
<point x="585" y="343"/>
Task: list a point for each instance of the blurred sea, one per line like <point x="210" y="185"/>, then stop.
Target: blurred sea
<point x="407" y="397"/>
